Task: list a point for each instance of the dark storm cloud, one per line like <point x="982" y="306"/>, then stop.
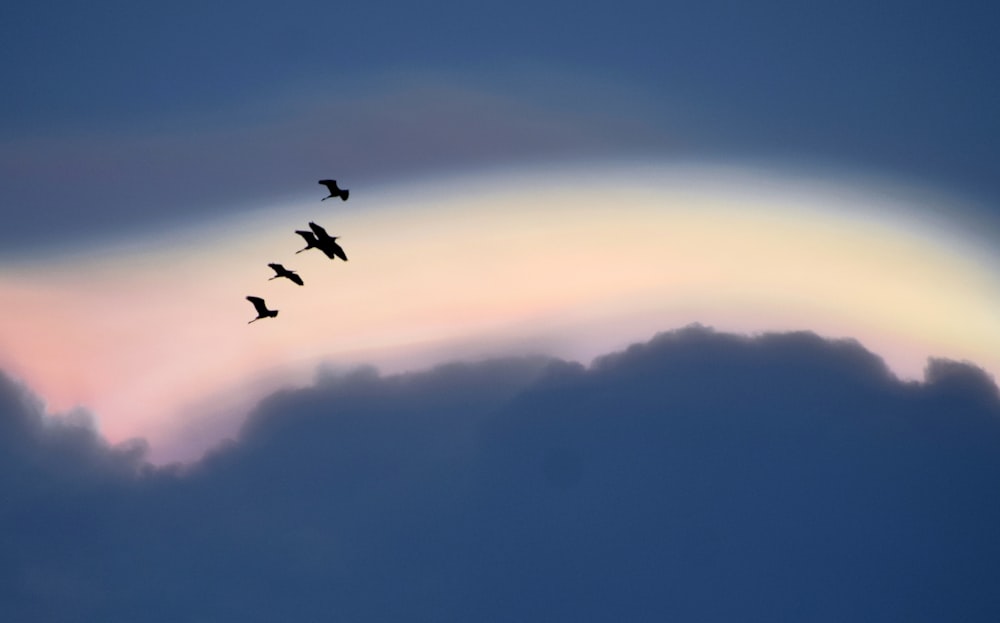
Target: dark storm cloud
<point x="696" y="477"/>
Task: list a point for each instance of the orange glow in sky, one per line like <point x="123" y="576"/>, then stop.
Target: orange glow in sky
<point x="152" y="337"/>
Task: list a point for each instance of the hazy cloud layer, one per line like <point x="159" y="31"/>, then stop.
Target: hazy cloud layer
<point x="699" y="477"/>
<point x="115" y="119"/>
<point x="107" y="184"/>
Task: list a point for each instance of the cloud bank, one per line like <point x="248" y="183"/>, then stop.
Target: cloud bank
<point x="699" y="476"/>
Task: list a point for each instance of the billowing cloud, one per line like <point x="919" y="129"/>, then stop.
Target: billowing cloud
<point x="699" y="476"/>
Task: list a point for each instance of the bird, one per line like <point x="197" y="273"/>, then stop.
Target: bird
<point x="335" y="191"/>
<point x="327" y="243"/>
<point x="281" y="271"/>
<point x="261" y="307"/>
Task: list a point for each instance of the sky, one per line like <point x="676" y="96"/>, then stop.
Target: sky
<point x="780" y="191"/>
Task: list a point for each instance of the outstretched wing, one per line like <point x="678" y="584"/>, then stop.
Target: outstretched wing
<point x="277" y="268"/>
<point x="307" y="235"/>
<point x="258" y="304"/>
<point x="338" y="250"/>
<point x="319" y="231"/>
<point x="331" y="185"/>
<point x="294" y="277"/>
<point x="328" y="250"/>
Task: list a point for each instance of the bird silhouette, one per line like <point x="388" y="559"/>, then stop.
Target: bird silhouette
<point x="261" y="307"/>
<point x="335" y="191"/>
<point x="327" y="243"/>
<point x="281" y="271"/>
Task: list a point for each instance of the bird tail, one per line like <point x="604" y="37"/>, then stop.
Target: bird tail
<point x="344" y="195"/>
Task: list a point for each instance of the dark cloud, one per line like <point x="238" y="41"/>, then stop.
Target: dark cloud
<point x="140" y="181"/>
<point x="695" y="477"/>
<point x="116" y="119"/>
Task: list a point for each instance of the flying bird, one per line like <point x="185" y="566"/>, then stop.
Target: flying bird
<point x="335" y="191"/>
<point x="281" y="271"/>
<point x="324" y="242"/>
<point x="327" y="243"/>
<point x="261" y="307"/>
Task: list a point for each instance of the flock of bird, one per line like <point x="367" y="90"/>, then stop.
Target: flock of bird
<point x="316" y="238"/>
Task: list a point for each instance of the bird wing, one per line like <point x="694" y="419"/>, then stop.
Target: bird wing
<point x="319" y="231"/>
<point x="295" y="278"/>
<point x="277" y="268"/>
<point x="328" y="250"/>
<point x="331" y="186"/>
<point x="308" y="235"/>
<point x="338" y="250"/>
<point x="258" y="304"/>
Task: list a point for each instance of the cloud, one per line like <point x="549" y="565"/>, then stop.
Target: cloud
<point x="126" y="183"/>
<point x="104" y="131"/>
<point x="62" y="449"/>
<point x="699" y="476"/>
